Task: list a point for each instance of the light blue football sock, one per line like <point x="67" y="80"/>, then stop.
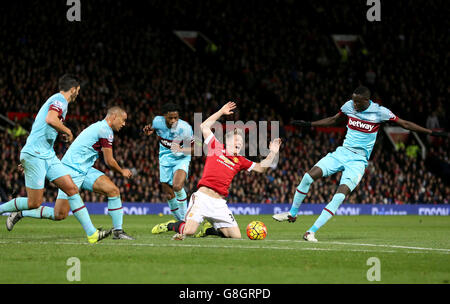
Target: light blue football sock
<point x="175" y="208"/>
<point x="115" y="210"/>
<point x="43" y="212"/>
<point x="182" y="202"/>
<point x="79" y="210"/>
<point x="300" y="193"/>
<point x="328" y="211"/>
<point x="17" y="204"/>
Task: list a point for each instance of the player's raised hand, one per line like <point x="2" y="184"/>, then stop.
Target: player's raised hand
<point x="148" y="130"/>
<point x="21" y="168"/>
<point x="126" y="173"/>
<point x="228" y="108"/>
<point x="275" y="144"/>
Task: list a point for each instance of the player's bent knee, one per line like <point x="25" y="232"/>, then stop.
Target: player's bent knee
<point x="177" y="187"/>
<point x="113" y="192"/>
<point x="315" y="173"/>
<point x="70" y="190"/>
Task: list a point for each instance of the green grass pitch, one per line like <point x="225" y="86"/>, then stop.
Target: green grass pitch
<point x="411" y="249"/>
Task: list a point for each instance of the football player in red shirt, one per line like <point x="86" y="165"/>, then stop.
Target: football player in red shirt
<point x="222" y="164"/>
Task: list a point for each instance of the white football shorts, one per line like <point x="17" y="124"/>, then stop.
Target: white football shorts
<point x="215" y="210"/>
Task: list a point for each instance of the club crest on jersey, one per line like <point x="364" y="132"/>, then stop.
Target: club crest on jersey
<point x="226" y="160"/>
<point x="235" y="159"/>
<point x="363" y="126"/>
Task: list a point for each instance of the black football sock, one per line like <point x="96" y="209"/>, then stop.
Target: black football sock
<point x="214" y="231"/>
<point x="175" y="226"/>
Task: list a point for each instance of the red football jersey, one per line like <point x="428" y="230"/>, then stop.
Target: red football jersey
<point x="219" y="168"/>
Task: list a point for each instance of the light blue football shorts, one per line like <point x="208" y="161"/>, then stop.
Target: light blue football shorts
<point x="83" y="181"/>
<point x="166" y="172"/>
<point x="352" y="164"/>
<point x="36" y="170"/>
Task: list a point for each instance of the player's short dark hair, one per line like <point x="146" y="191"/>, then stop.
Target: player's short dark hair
<point x="115" y="110"/>
<point x="363" y="91"/>
<point x="68" y="81"/>
<point x="169" y="107"/>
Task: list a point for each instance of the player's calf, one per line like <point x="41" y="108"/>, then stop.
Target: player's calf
<point x="113" y="191"/>
<point x="231" y="232"/>
<point x="189" y="228"/>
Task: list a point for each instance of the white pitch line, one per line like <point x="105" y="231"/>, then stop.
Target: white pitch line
<point x="370" y="245"/>
<point x="210" y="246"/>
<point x="443" y="250"/>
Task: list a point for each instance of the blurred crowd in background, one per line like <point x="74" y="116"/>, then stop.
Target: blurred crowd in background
<point x="276" y="59"/>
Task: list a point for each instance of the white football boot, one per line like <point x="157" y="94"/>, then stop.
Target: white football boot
<point x="285" y="216"/>
<point x="309" y="237"/>
<point x="12" y="219"/>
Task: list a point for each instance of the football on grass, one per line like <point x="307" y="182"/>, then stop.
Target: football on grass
<point x="256" y="230"/>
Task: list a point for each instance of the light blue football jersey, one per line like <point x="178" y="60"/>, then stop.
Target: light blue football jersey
<point x="42" y="137"/>
<point x="362" y="127"/>
<point x="181" y="133"/>
<point x="85" y="149"/>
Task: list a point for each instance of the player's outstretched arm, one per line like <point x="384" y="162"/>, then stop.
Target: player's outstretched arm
<point x="416" y="128"/>
<point x="274" y="148"/>
<point x="53" y="120"/>
<point x="326" y="122"/>
<point x="111" y="162"/>
<point x="205" y="126"/>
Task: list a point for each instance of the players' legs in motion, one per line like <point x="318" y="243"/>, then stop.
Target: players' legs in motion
<point x="300" y="193"/>
<point x="178" y="210"/>
<point x="172" y="180"/>
<point x="69" y="197"/>
<point x="105" y="186"/>
<point x="76" y="204"/>
<point x="179" y="177"/>
<point x="172" y="201"/>
<point x="35" y="170"/>
<point x="302" y="189"/>
<point x="328" y="212"/>
<point x="20" y="205"/>
<point x="33" y="200"/>
<point x="351" y="176"/>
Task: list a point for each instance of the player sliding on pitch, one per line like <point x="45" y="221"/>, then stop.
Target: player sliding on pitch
<point x="222" y="164"/>
<point x="78" y="161"/>
<point x="40" y="162"/>
<point x="363" y="121"/>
